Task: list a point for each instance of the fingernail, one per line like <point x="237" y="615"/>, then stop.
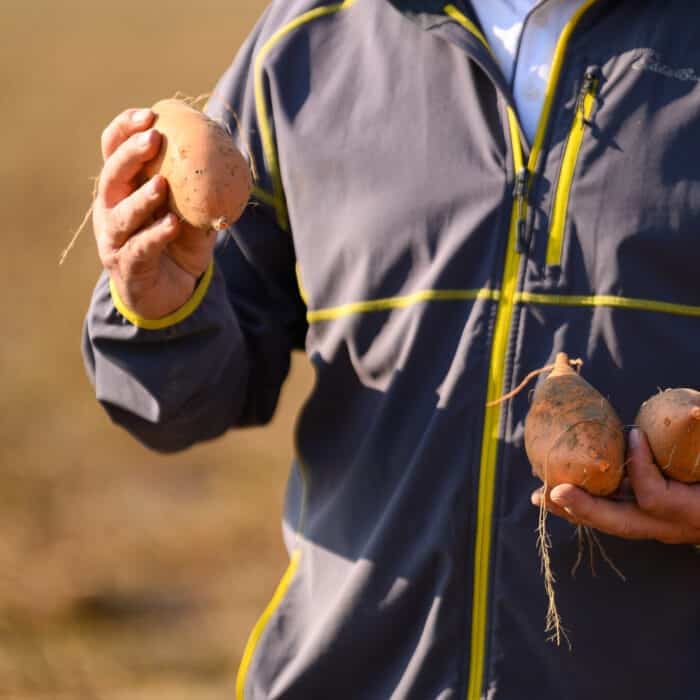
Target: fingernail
<point x="169" y="220"/>
<point x="561" y="500"/>
<point x="153" y="186"/>
<point x="634" y="438"/>
<point x="140" y="116"/>
<point x="145" y="138"/>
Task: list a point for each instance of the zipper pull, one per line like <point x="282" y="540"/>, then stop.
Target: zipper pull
<point x="520" y="191"/>
<point x="587" y="88"/>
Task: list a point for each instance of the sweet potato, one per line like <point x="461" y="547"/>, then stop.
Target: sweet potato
<point x="671" y="422"/>
<point x="573" y="435"/>
<point x="209" y="179"/>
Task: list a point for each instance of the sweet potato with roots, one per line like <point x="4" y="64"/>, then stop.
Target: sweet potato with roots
<point x="572" y="436"/>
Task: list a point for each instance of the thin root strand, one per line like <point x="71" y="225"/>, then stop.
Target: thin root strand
<point x="83" y="224"/>
<point x="577" y="364"/>
<point x="553" y="624"/>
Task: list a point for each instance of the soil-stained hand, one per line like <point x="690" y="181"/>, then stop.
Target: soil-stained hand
<point x="153" y="259"/>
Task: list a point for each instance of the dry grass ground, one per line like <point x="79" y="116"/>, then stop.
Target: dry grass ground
<point x="123" y="574"/>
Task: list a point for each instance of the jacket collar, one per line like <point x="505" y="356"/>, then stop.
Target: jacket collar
<point x="426" y="13"/>
<point x="434" y="16"/>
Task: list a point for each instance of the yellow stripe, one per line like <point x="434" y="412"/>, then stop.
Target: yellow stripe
<point x="263" y="196"/>
<point x="302" y="292"/>
<point x="171" y="319"/>
<point x="268" y="139"/>
<point x="261" y="624"/>
<point x="459" y="17"/>
<point x="514" y="128"/>
<point x="280" y="592"/>
<point x="566" y="176"/>
<point x="363" y="307"/>
<point x="492" y="415"/>
<point x="553" y="80"/>
<point x="489" y="446"/>
<point x="608" y="300"/>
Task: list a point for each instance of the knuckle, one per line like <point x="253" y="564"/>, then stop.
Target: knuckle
<point x="138" y="254"/>
<point x="626" y="529"/>
<point x="109" y="260"/>
<point x="650" y="501"/>
<point x="168" y="222"/>
<point x="120" y="225"/>
<point x="131" y="256"/>
<point x="149" y="195"/>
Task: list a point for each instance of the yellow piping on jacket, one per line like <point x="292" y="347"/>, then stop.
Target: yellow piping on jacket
<point x="504" y="316"/>
<point x="489" y="442"/>
<point x="268" y="139"/>
<point x="333" y="313"/>
<point x="583" y="111"/>
<point x="399" y="302"/>
<point x="280" y="592"/>
<point x="175" y="317"/>
<point x="262" y="622"/>
<point x="278" y="201"/>
<point x="610" y="301"/>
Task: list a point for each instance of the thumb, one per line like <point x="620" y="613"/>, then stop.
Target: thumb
<point x="645" y="476"/>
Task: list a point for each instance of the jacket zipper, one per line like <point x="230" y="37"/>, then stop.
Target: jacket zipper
<point x="520" y="192"/>
<point x="584" y="106"/>
<point x="500" y="345"/>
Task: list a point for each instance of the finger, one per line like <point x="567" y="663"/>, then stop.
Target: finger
<point x="116" y="178"/>
<point x="135" y="211"/>
<point x="625" y="520"/>
<point x="661" y="497"/>
<point x="122" y="127"/>
<point x="536" y="500"/>
<point x="141" y="253"/>
<point x="624" y="491"/>
<point x="647" y="481"/>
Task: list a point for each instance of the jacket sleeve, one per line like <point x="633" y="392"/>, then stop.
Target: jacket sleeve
<point x="221" y="361"/>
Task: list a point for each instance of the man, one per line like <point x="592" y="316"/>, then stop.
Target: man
<point x="448" y="195"/>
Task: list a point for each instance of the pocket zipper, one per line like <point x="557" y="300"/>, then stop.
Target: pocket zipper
<point x="584" y="107"/>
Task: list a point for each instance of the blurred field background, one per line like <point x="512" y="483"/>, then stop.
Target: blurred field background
<point x="123" y="574"/>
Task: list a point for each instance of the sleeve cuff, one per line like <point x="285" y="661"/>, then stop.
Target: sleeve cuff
<point x="172" y="319"/>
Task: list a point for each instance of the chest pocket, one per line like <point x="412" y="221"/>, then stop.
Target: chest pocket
<point x="625" y="212"/>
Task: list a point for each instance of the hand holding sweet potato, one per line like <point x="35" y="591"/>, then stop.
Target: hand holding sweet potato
<point x="153" y="254"/>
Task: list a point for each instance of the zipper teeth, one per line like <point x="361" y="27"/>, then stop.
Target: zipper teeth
<point x="520" y="192"/>
<point x="584" y="107"/>
<point x="492" y="419"/>
<point x="496" y="378"/>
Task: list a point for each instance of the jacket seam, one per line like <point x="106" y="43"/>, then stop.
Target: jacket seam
<point x="172" y="319"/>
<point x="269" y="144"/>
<point x="279" y="596"/>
